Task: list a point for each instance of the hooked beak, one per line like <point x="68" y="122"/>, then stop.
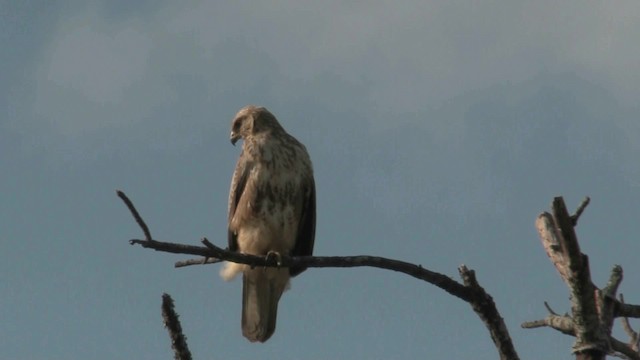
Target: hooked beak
<point x="234" y="138"/>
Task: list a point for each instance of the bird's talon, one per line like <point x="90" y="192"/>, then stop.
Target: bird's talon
<point x="275" y="254"/>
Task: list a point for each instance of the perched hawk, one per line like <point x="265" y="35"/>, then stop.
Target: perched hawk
<point x="272" y="209"/>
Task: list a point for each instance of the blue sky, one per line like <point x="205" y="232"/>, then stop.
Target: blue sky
<point x="438" y="132"/>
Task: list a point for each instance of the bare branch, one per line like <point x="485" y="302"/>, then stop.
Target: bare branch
<point x="583" y="205"/>
<point x="214" y="252"/>
<point x="197" y="261"/>
<point x="172" y="323"/>
<point x="483" y="304"/>
<point x="592" y="310"/>
<point x="471" y="292"/>
<point x="565" y="325"/>
<point x="549" y="309"/>
<point x="172" y="247"/>
<point x="619" y="347"/>
<point x="568" y="240"/>
<point x="634" y="337"/>
<point x="551" y="238"/>
<point x="606" y="300"/>
<point x="136" y="215"/>
<point x="615" y="279"/>
<point x="628" y="310"/>
<point x="590" y="336"/>
<point x="626" y="325"/>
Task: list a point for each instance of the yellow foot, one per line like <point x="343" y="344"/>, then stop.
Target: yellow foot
<point x="275" y="254"/>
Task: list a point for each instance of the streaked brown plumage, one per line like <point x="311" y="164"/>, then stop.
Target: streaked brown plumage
<point x="272" y="208"/>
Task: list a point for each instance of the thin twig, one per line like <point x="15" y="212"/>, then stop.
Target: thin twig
<point x="626" y="325"/>
<point x="136" y="215"/>
<point x="197" y="261"/>
<point x="172" y="247"/>
<point x="583" y="205"/>
<point x="209" y="245"/>
<point x="634" y="337"/>
<point x="549" y="309"/>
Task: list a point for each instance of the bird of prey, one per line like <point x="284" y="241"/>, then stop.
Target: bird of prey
<point x="272" y="211"/>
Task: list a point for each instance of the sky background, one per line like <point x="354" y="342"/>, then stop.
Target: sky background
<point x="438" y="132"/>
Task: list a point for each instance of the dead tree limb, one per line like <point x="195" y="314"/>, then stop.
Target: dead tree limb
<point x="627" y="310"/>
<point x="135" y="214"/>
<point x="593" y="311"/>
<point x="634" y="337"/>
<point x="470" y="292"/>
<point x="197" y="261"/>
<point x="172" y="323"/>
<point x="484" y="306"/>
<point x="565" y="325"/>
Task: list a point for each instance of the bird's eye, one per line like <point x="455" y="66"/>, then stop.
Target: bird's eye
<point x="236" y="125"/>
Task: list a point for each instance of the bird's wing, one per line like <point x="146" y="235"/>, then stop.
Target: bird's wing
<point x="238" y="182"/>
<point x="306" y="228"/>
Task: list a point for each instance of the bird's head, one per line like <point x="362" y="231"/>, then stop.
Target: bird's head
<point x="250" y="121"/>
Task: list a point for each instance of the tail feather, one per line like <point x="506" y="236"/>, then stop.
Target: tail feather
<point x="261" y="291"/>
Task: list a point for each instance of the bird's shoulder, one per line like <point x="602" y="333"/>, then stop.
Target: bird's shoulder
<point x="278" y="149"/>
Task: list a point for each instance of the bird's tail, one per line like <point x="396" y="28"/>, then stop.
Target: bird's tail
<point x="261" y="291"/>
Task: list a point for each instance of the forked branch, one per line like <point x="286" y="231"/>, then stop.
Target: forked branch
<point x="471" y="292"/>
<point x="593" y="310"/>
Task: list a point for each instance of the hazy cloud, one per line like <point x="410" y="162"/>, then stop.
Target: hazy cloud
<point x="410" y="63"/>
<point x="411" y="57"/>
